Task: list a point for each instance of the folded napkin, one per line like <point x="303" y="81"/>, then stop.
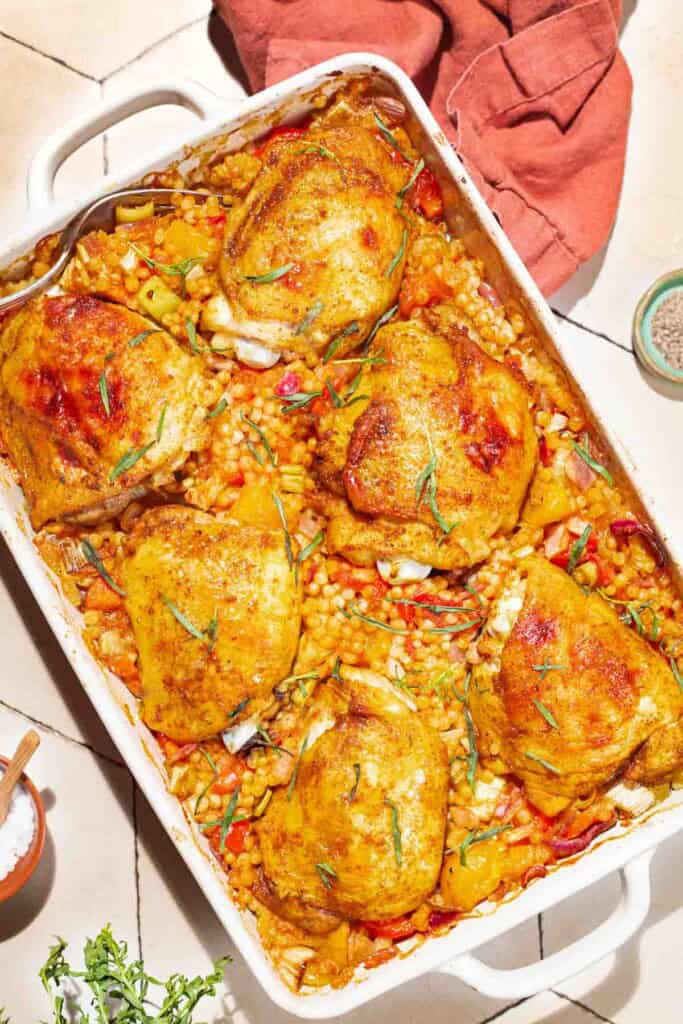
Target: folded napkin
<point x="533" y="94"/>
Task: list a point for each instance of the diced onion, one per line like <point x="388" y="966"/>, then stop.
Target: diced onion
<point x="234" y="739"/>
<point x="258" y="357"/>
<point x="128" y="261"/>
<point x="403" y="570"/>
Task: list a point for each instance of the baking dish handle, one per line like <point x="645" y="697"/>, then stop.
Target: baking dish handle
<point x="75" y="133"/>
<point x="520" y="982"/>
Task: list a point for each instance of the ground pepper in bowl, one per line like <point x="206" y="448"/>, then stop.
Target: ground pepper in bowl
<point x="667" y="329"/>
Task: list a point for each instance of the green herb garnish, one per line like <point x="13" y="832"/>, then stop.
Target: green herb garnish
<point x="676" y="671"/>
<point x="327" y="874"/>
<point x="546" y="667"/>
<point x="435" y="609"/>
<point x="399" y="254"/>
<point x="590" y="461"/>
<point x="104" y="393"/>
<point x="227" y="820"/>
<point x="267" y="742"/>
<point x="271" y="275"/>
<point x="545" y="764"/>
<point x="95" y="560"/>
<point x="311" y="547"/>
<point x="321" y="150"/>
<point x="207" y="787"/>
<point x="384" y="319"/>
<point x="426" y="485"/>
<point x="389" y="137"/>
<point x="351" y="328"/>
<point x="417" y="170"/>
<point x="285" y="529"/>
<point x="239" y="707"/>
<point x="218" y="409"/>
<point x="354" y="788"/>
<point x="548" y="715"/>
<point x="474" y="592"/>
<point x="272" y="458"/>
<point x="378" y="360"/>
<point x="395" y="830"/>
<point x="313" y="313"/>
<point x="335" y="670"/>
<point x="139" y="338"/>
<point x="181" y="269"/>
<point x="352" y="611"/>
<point x="192" y="335"/>
<point x="160" y="424"/>
<point x="578" y="549"/>
<point x="127" y="461"/>
<point x="337" y="402"/>
<point x="208" y="635"/>
<point x="479" y="837"/>
<point x="473" y="753"/>
<point x="459" y="628"/>
<point x="295" y="771"/>
<point x="298" y="400"/>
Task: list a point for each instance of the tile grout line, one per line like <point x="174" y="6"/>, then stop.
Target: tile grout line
<point x="136" y="865"/>
<point x="499" y="1014"/>
<point x="589" y="330"/>
<point x="48" y="56"/>
<point x="157" y="42"/>
<point x="541" y="944"/>
<point x="582" y="1006"/>
<point x="62" y="735"/>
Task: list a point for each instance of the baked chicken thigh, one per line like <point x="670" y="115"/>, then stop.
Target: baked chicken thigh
<point x="568" y="692"/>
<point x="316" y="250"/>
<point x="95" y="405"/>
<point x="437" y="460"/>
<point x="359" y="833"/>
<point x="216" y="613"/>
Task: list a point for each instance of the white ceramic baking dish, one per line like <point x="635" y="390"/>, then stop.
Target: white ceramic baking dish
<point x="627" y="851"/>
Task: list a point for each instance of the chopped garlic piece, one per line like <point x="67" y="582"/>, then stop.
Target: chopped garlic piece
<point x="258" y="357"/>
<point x="236" y="737"/>
<point x="403" y="570"/>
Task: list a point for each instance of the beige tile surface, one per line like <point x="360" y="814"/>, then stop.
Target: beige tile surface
<point x="87" y="873"/>
<point x="96" y="38"/>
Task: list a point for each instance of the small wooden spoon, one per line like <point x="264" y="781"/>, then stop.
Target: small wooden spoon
<point x="22" y="755"/>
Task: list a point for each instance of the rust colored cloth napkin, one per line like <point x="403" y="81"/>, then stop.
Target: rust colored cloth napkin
<point x="533" y="94"/>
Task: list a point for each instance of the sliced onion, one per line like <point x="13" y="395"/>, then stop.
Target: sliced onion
<point x="403" y="570"/>
<point x="239" y="735"/>
<point x="258" y="357"/>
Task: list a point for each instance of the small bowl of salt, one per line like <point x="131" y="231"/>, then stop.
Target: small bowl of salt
<point x="22" y="834"/>
<point x="658" y="328"/>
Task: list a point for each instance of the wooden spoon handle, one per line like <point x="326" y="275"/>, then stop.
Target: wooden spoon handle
<point x="22" y="755"/>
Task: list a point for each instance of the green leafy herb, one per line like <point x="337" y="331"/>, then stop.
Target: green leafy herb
<point x="160" y="424"/>
<point x="311" y="547"/>
<point x="479" y="837"/>
<point x="473" y="753"/>
<point x="335" y="670"/>
<point x="139" y="338"/>
<point x="218" y="409"/>
<point x="271" y="275"/>
<point x="590" y="461"/>
<point x="395" y="830"/>
<point x="546" y="667"/>
<point x="208" y="635"/>
<point x="295" y="772"/>
<point x="327" y="873"/>
<point x="389" y="137"/>
<point x="417" y="170"/>
<point x="426" y="485"/>
<point x="354" y="788"/>
<point x="676" y="671"/>
<point x="207" y="787"/>
<point x="212" y="631"/>
<point x="227" y="820"/>
<point x="104" y="393"/>
<point x="435" y="609"/>
<point x="119" y="988"/>
<point x="384" y="319"/>
<point x="127" y="461"/>
<point x="192" y="335"/>
<point x="298" y="400"/>
<point x="399" y="254"/>
<point x="181" y="269"/>
<point x="321" y="151"/>
<point x="578" y="549"/>
<point x="351" y="328"/>
<point x="313" y="313"/>
<point x="285" y="529"/>
<point x="474" y="592"/>
<point x="337" y="402"/>
<point x="548" y="715"/>
<point x="95" y="560"/>
<point x="459" y="628"/>
<point x="351" y="611"/>
<point x="266" y="741"/>
<point x="272" y="458"/>
<point x="109" y="356"/>
<point x="545" y="764"/>
<point x="239" y="708"/>
<point x="378" y="360"/>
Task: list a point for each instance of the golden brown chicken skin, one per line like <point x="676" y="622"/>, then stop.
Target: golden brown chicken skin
<point x="359" y="834"/>
<point x="89" y="418"/>
<point x="436" y="462"/>
<point x="216" y="613"/>
<point x="571" y="692"/>
<point x="323" y="206"/>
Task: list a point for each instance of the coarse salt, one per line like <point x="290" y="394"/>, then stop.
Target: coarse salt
<point x="17" y="831"/>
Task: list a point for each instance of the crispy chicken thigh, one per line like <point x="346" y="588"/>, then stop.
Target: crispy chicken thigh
<point x="360" y="832"/>
<point x="445" y="424"/>
<point x="323" y="206"/>
<point x="571" y="692"/>
<point x="216" y="614"/>
<point x="88" y="419"/>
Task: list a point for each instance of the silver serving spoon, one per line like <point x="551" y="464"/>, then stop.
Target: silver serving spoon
<point x="100" y="214"/>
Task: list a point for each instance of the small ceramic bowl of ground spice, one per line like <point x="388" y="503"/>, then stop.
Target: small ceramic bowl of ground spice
<point x="658" y="328"/>
<point x="22" y="835"/>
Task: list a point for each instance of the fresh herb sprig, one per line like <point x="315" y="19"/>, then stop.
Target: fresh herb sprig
<point x="181" y="269"/>
<point x="289" y="550"/>
<point x="395" y="830"/>
<point x="479" y="837"/>
<point x="399" y="253"/>
<point x="542" y="761"/>
<point x="547" y="667"/>
<point x="227" y="821"/>
<point x="578" y="549"/>
<point x="351" y="328"/>
<point x="426" y="487"/>
<point x="597" y="467"/>
<point x="312" y="315"/>
<point x="390" y="138"/>
<point x="269" y="276"/>
<point x="417" y="170"/>
<point x="208" y="635"/>
<point x="295" y="770"/>
<point x="327" y="873"/>
<point x="546" y="713"/>
<point x="354" y="788"/>
<point x="272" y="457"/>
<point x="351" y="611"/>
<point x="93" y="557"/>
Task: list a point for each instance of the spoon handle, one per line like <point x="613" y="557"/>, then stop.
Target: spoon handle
<point x="22" y="755"/>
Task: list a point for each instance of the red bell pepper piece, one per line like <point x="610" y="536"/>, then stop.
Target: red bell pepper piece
<point x="288" y="384"/>
<point x="282" y="131"/>
<point x="426" y="195"/>
<point x="395" y="928"/>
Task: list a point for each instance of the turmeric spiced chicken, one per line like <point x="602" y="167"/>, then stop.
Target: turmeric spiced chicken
<point x="343" y="528"/>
